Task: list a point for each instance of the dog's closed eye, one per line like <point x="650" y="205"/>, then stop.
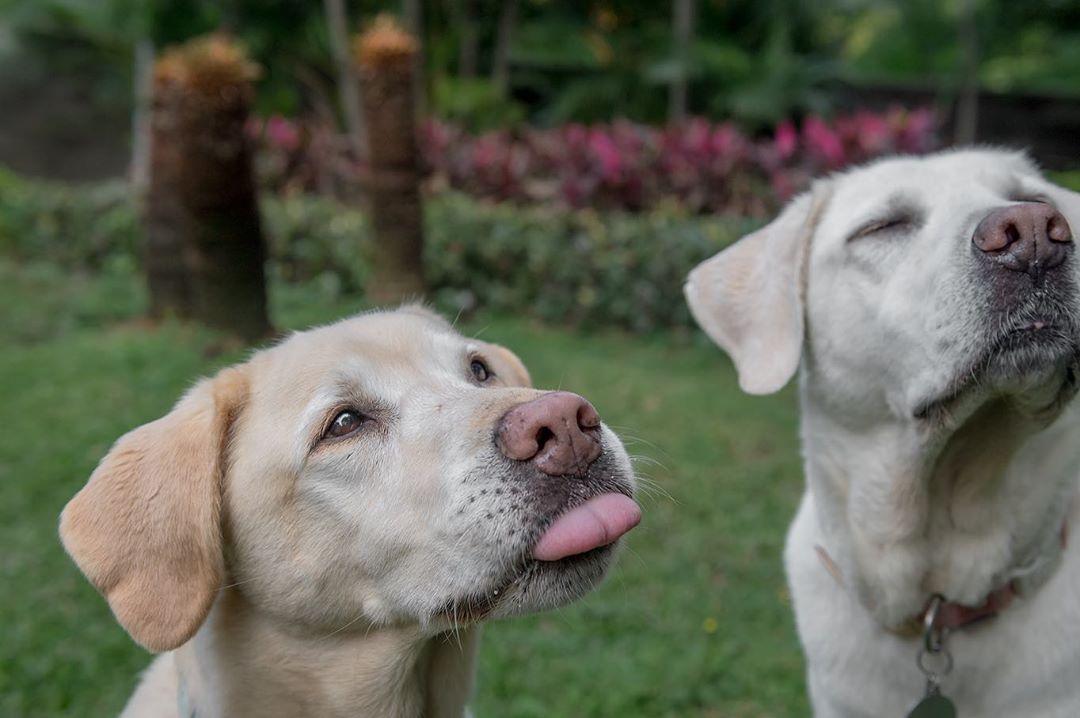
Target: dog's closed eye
<point x="1021" y="197"/>
<point x="882" y="227"/>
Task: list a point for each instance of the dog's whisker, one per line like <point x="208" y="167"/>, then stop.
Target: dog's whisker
<point x="630" y="434"/>
<point x="647" y="476"/>
<point x="477" y="334"/>
<point x="237" y="583"/>
<point x="637" y="557"/>
<point x="637" y="459"/>
<point x="653" y="489"/>
<point x="353" y="622"/>
<point x="457" y="317"/>
<point x="646" y="458"/>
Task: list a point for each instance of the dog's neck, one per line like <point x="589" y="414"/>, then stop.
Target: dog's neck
<point x="962" y="513"/>
<point x="399" y="672"/>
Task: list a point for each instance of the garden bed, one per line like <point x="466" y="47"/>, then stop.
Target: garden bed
<point x="583" y="268"/>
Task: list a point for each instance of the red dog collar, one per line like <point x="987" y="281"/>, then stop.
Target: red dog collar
<point x="951" y="615"/>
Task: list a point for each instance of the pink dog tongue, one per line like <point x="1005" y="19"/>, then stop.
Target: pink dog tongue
<point x="597" y="522"/>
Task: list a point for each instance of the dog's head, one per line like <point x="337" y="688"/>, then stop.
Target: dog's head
<point x="383" y="469"/>
<point x="912" y="289"/>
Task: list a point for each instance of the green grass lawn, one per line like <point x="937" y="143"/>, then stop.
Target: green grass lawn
<point x="694" y="621"/>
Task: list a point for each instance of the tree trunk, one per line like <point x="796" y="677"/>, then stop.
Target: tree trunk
<point x="141" y="116"/>
<point x="165" y="220"/>
<point x="465" y="18"/>
<point x="226" y="248"/>
<point x="967" y="106"/>
<point x="348" y="84"/>
<point x="682" y="36"/>
<point x="500" y="68"/>
<point x="413" y="11"/>
<point x="385" y="54"/>
<point x="221" y="237"/>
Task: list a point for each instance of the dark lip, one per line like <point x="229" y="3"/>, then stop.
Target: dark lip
<point x="1052" y="336"/>
<point x="524" y="567"/>
<point x="477" y="607"/>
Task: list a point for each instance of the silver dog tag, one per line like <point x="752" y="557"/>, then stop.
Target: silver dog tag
<point x="934" y="661"/>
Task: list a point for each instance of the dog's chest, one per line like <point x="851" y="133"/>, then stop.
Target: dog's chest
<point x="1024" y="662"/>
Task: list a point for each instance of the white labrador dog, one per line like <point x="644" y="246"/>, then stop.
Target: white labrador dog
<point x="933" y="306"/>
<point x="318" y="530"/>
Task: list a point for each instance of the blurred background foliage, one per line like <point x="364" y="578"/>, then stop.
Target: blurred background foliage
<point x="544" y="105"/>
<point x="754" y="62"/>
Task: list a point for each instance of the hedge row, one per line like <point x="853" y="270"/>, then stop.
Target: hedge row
<point x="578" y="267"/>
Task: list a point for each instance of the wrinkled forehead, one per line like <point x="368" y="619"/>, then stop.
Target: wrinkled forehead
<point x="950" y="180"/>
<point x="381" y="354"/>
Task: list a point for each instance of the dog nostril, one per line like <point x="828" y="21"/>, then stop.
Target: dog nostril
<point x="559" y="432"/>
<point x="543" y="436"/>
<point x="587" y="418"/>
<point x="1012" y="234"/>
<point x="1058" y="231"/>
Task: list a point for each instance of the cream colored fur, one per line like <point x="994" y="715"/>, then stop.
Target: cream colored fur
<point x="285" y="573"/>
<point x="933" y="464"/>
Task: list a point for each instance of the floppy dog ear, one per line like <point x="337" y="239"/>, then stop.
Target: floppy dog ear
<point x="749" y="297"/>
<point x="509" y="366"/>
<point x="146" y="528"/>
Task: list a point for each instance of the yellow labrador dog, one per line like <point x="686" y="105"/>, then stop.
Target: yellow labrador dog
<point x="933" y="306"/>
<point x="318" y="531"/>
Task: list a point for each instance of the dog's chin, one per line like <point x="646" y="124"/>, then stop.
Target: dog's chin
<point x="551" y="584"/>
<point x="530" y="585"/>
<point x="534" y="586"/>
<point x="1033" y="363"/>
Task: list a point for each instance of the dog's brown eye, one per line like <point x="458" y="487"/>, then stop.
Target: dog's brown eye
<point x="345" y="423"/>
<point x="480" y="370"/>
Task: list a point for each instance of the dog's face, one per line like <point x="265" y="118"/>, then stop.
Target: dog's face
<point x="935" y="283"/>
<point x="932" y="304"/>
<point x="379" y="470"/>
<point x="913" y="288"/>
<point x="374" y="441"/>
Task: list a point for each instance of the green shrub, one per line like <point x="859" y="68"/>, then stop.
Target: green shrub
<point x="317" y="239"/>
<point x="578" y="267"/>
<point x="71" y="225"/>
<point x="475" y="104"/>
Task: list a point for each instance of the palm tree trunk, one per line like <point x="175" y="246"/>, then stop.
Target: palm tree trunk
<point x="500" y="68"/>
<point x="967" y="106"/>
<point x="347" y="81"/>
<point x="413" y="11"/>
<point x="682" y="35"/>
<point x="226" y="247"/>
<point x="465" y="19"/>
<point x="165" y="219"/>
<point x="204" y="156"/>
<point x="386" y="55"/>
<point x="141" y="116"/>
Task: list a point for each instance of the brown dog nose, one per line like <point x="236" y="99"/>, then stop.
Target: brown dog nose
<point x="559" y="432"/>
<point x="1030" y="237"/>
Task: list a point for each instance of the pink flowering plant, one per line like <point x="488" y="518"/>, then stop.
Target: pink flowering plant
<point x="704" y="167"/>
<point x="699" y="166"/>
